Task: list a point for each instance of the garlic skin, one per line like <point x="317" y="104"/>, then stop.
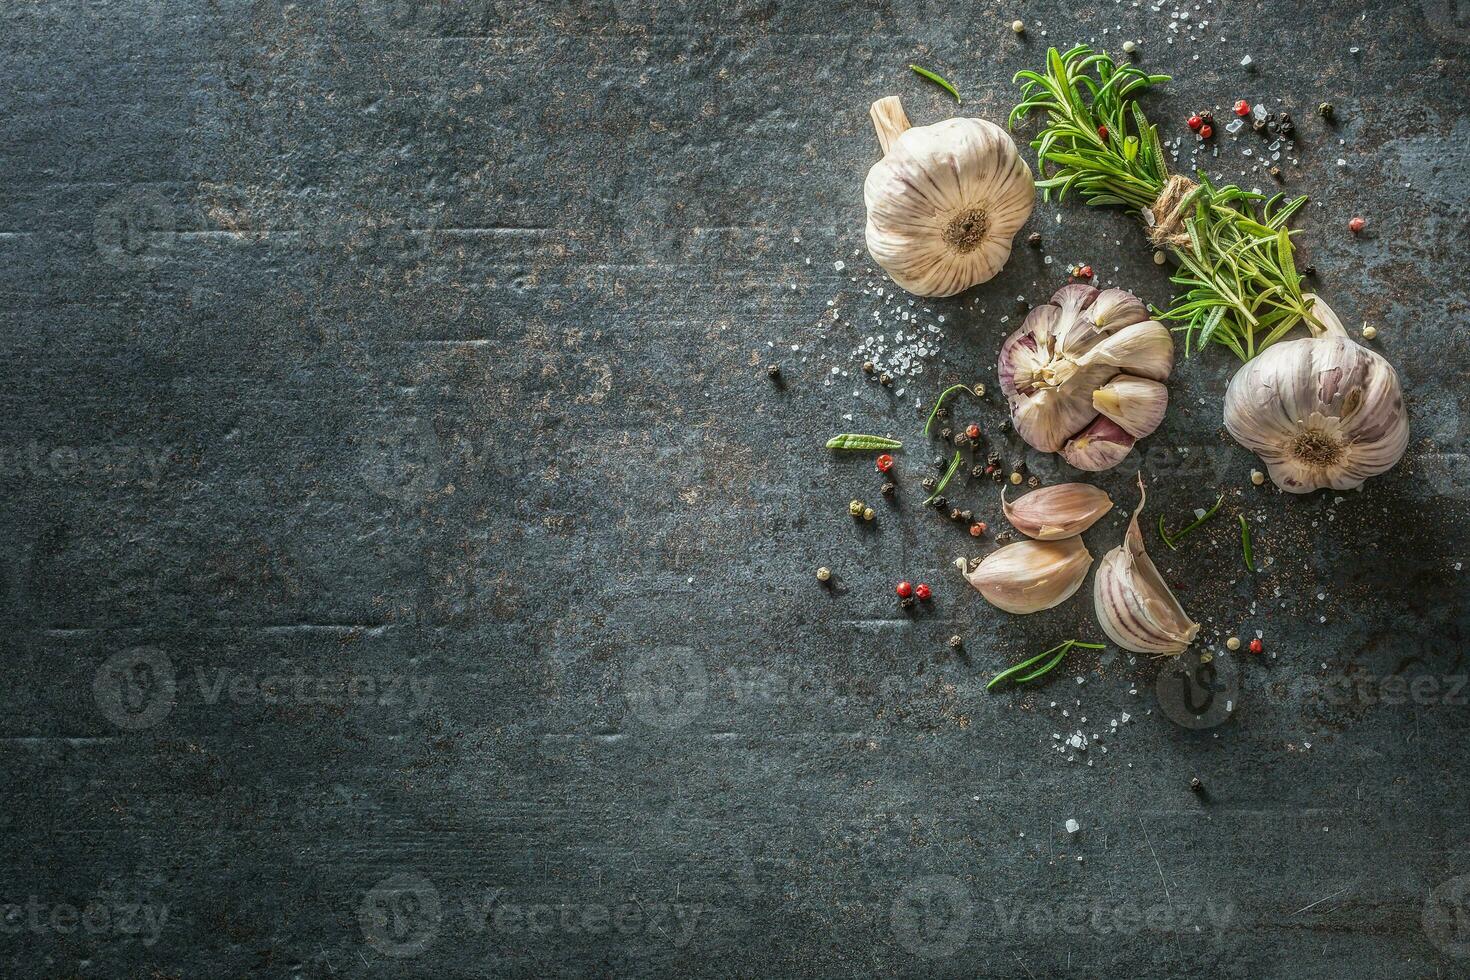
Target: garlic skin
<point x="1133" y="604"/>
<point x="945" y="200"/>
<point x="1137" y="405"/>
<point x="1068" y="349"/>
<point x="1323" y="411"/>
<point x="1057" y="512"/>
<point x="1029" y="576"/>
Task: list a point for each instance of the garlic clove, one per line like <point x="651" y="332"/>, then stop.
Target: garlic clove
<point x="1133" y="604"/>
<point x="945" y="201"/>
<point x="1144" y="349"/>
<point x="1321" y="412"/>
<point x="1029" y="576"/>
<point x="1101" y="446"/>
<point x="1115" y="309"/>
<point x="1136" y="404"/>
<point x="1056" y="512"/>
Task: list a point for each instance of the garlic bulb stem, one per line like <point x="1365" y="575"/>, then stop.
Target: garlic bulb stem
<point x="889" y="121"/>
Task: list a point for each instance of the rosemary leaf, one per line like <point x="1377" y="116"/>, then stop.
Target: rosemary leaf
<point x="857" y="440"/>
<point x="954" y="464"/>
<point x="1245" y="544"/>
<point x="1197" y="522"/>
<point x="939" y="402"/>
<point x="1057" y="654"/>
<point x="938" y="80"/>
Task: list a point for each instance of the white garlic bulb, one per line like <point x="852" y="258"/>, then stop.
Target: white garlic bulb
<point x="1084" y="375"/>
<point x="1133" y="604"/>
<point x="945" y="200"/>
<point x="1323" y="411"/>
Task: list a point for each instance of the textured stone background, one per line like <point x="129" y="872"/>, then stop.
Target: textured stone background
<point x="411" y="564"/>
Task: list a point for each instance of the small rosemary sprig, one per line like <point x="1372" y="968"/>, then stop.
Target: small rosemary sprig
<point x="939" y="80"/>
<point x="954" y="464"/>
<point x="1172" y="542"/>
<point x="1242" y="289"/>
<point x="1245" y="544"/>
<point x="939" y="403"/>
<point x="1057" y="654"/>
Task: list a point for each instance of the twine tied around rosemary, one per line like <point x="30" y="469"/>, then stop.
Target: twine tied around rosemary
<point x="1168" y="211"/>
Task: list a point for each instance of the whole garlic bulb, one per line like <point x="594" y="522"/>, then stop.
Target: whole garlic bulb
<point x="1084" y="375"/>
<point x="945" y="200"/>
<point x="1323" y="411"/>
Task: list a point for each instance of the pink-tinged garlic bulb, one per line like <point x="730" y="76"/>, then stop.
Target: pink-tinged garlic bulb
<point x="1324" y="411"/>
<point x="1084" y="375"/>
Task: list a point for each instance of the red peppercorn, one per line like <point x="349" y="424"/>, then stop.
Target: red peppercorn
<point x="1242" y="107"/>
<point x="904" y="590"/>
<point x="885" y="463"/>
<point x="972" y="432"/>
<point x="1085" y="272"/>
<point x="1206" y="131"/>
<point x="923" y="592"/>
<point x="1195" y="122"/>
<point x="1102" y="132"/>
<point x="1356" y="225"/>
<point x="1257" y="646"/>
<point x="977" y="529"/>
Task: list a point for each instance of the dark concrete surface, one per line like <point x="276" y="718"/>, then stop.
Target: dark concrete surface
<point x="412" y="565"/>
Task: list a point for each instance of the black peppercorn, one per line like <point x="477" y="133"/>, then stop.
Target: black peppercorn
<point x="977" y="471"/>
<point x="940" y="462"/>
<point x="1259" y="125"/>
<point x="966" y="515"/>
<point x="1207" y="118"/>
<point x="944" y="433"/>
<point x="886" y="379"/>
<point x="1006" y="425"/>
<point x="955" y="642"/>
<point x="907" y="603"/>
<point x="1288" y="126"/>
<point x="1196" y="784"/>
<point x="1034" y="240"/>
<point x="1325" y="110"/>
<point x="992" y="457"/>
<point x="1276" y="172"/>
<point x="888" y="489"/>
<point x="869" y="367"/>
<point x="930" y="483"/>
<point x="961" y="439"/>
<point x="1309" y="270"/>
<point x="940" y="503"/>
<point x="773" y="370"/>
<point x="954" y="514"/>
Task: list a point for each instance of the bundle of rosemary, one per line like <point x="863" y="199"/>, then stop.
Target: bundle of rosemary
<point x="1234" y="252"/>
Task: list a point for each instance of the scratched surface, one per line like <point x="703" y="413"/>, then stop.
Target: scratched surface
<point x="411" y="564"/>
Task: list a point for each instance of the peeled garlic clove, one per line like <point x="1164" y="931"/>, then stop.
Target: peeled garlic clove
<point x="1029" y="576"/>
<point x="1136" y="404"/>
<point x="1324" y="411"/>
<point x="1145" y="350"/>
<point x="945" y="200"/>
<point x="1101" y="446"/>
<point x="1057" y="512"/>
<point x="1133" y="605"/>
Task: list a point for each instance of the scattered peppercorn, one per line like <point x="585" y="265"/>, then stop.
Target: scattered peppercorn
<point x="1130" y="46"/>
<point x="1310" y="270"/>
<point x="977" y="529"/>
<point x="1208" y="117"/>
<point x="1356" y="225"/>
<point x="1034" y="239"/>
<point x="824" y="574"/>
<point x="954" y="514"/>
<point x="961" y="439"/>
<point x="941" y="503"/>
<point x="955" y="642"/>
<point x="1287" y="126"/>
<point x="907" y="603"/>
<point x="1015" y="478"/>
<point x="1196" y="784"/>
<point x="1194" y="122"/>
<point x="868" y="513"/>
<point x="1206" y="131"/>
<point x="929" y="483"/>
<point x="1019" y="26"/>
<point x="1242" y="107"/>
<point x="1233" y="643"/>
<point x="1276" y="172"/>
<point x="966" y="515"/>
<point x="855" y="508"/>
<point x="884" y="463"/>
<point x="923" y="593"/>
<point x="973" y="431"/>
<point x="945" y="433"/>
<point x="1259" y="125"/>
<point x="977" y="470"/>
<point x="1325" y="110"/>
<point x="1257" y="477"/>
<point x="1369" y="331"/>
<point x="888" y="489"/>
<point x="1257" y="646"/>
<point x="1102" y="132"/>
<point x="940" y="462"/>
<point x="869" y="367"/>
<point x="904" y="590"/>
<point x="773" y="370"/>
<point x="885" y="379"/>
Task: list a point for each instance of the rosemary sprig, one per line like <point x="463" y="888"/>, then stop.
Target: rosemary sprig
<point x="1245" y="543"/>
<point x="1172" y="542"/>
<point x="939" y="402"/>
<point x="1242" y="289"/>
<point x="1057" y="653"/>
<point x="954" y="464"/>
<point x="938" y="80"/>
<point x="857" y="440"/>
